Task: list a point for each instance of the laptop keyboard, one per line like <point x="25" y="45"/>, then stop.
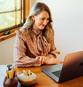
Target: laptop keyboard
<point x="57" y="73"/>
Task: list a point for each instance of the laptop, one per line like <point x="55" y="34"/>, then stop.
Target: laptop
<point x="72" y="68"/>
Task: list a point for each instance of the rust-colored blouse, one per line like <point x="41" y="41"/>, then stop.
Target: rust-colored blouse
<point x="29" y="45"/>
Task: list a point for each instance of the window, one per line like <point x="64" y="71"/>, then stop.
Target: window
<point x="11" y="14"/>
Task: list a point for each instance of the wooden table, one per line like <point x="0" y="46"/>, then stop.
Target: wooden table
<point x="43" y="80"/>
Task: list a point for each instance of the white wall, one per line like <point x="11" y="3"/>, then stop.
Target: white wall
<point x="32" y="2"/>
<point x="69" y="25"/>
<point x="6" y="51"/>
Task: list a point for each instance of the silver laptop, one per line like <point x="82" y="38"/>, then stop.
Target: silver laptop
<point x="72" y="68"/>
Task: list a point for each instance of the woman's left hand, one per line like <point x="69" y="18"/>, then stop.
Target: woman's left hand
<point x="46" y="60"/>
<point x="53" y="61"/>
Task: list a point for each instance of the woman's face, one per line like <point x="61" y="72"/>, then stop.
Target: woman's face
<point x="41" y="20"/>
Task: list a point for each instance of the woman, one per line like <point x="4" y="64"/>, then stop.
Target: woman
<point x="35" y="40"/>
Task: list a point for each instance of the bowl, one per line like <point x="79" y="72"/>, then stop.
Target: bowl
<point x="27" y="78"/>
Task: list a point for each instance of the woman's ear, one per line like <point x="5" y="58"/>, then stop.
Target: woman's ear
<point x="33" y="18"/>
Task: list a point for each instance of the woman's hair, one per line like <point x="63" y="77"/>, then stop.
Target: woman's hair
<point x="35" y="10"/>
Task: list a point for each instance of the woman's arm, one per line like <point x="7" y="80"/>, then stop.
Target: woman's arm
<point x="52" y="57"/>
<point x="20" y="58"/>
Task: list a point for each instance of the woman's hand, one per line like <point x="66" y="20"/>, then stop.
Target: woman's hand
<point x="40" y="59"/>
<point x="47" y="60"/>
<point x="53" y="61"/>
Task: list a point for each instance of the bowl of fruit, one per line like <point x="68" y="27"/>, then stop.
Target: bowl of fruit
<point x="26" y="77"/>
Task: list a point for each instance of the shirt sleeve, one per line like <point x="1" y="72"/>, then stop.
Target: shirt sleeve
<point x="20" y="58"/>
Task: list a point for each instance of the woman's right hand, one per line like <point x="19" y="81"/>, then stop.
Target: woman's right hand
<point x="40" y="60"/>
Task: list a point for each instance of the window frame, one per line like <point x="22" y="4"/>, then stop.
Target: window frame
<point x="12" y="32"/>
<point x="8" y="30"/>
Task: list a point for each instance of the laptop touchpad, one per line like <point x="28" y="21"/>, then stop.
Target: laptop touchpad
<point x="57" y="73"/>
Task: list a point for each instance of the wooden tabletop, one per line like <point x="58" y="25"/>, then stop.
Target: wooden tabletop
<point x="43" y="80"/>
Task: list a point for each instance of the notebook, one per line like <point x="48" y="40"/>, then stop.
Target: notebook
<point x="72" y="68"/>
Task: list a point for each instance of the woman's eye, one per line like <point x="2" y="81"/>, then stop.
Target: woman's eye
<point x="45" y="19"/>
<point x="48" y="19"/>
<point x="42" y="18"/>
